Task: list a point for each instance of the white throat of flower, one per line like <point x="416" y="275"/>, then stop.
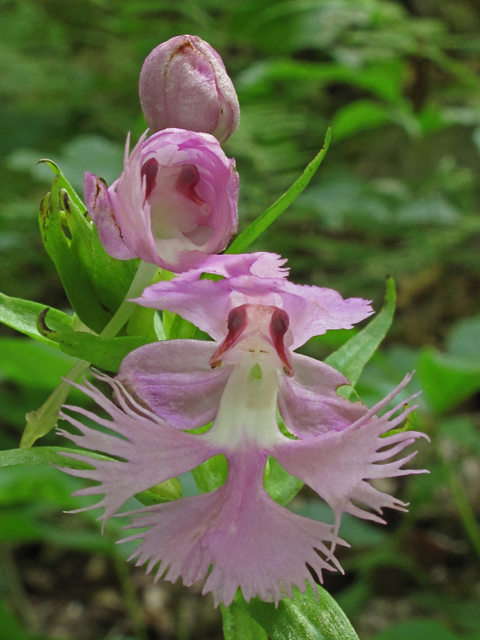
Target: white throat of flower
<point x="247" y="415"/>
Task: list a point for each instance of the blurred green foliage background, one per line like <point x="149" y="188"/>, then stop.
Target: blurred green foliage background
<point x="398" y="194"/>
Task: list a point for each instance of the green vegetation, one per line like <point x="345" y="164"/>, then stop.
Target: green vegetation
<point x="396" y="195"/>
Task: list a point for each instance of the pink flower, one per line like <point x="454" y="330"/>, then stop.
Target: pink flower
<point x="174" y="204"/>
<point x="184" y="84"/>
<point x="238" y="382"/>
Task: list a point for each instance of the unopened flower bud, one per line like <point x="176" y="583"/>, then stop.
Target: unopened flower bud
<point x="174" y="203"/>
<point x="184" y="84"/>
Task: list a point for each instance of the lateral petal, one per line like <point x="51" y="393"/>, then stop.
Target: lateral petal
<point x="337" y="464"/>
<point x="309" y="403"/>
<point x="153" y="451"/>
<point x="173" y="379"/>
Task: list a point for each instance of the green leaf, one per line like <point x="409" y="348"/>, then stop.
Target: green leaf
<point x="64" y="183"/>
<point x="211" y="474"/>
<point x="420" y="630"/>
<point x="447" y="379"/>
<point x="304" y="618"/>
<point x="163" y="492"/>
<point x="106" y="353"/>
<point x="22" y="315"/>
<point x="238" y="624"/>
<point x="103" y="353"/>
<point x="32" y="363"/>
<point x="109" y="278"/>
<point x="279" y="484"/>
<point x="352" y="357"/>
<point x="11" y="628"/>
<point x="258" y="226"/>
<point x="70" y="269"/>
<point x="360" y="115"/>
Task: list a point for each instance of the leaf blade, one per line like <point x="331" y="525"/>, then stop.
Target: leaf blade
<point x="258" y="226"/>
<point x="304" y="617"/>
<point x="352" y="357"/>
<point x="22" y="315"/>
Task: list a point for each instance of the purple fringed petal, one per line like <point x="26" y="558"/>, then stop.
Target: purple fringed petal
<point x="251" y="541"/>
<point x="100" y="210"/>
<point x="337" y="464"/>
<point x="154" y="451"/>
<point x="173" y="378"/>
<point x="309" y="403"/>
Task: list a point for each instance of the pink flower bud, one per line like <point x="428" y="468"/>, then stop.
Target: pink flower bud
<point x="174" y="203"/>
<point x="184" y="84"/>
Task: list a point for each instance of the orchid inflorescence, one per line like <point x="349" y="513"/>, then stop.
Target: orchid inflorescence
<point x="175" y="206"/>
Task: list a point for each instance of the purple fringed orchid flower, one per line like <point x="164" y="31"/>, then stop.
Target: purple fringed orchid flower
<point x="184" y="83"/>
<point x="174" y="203"/>
<point x="249" y="541"/>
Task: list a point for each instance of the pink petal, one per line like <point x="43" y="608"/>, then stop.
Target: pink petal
<point x="205" y="303"/>
<point x="336" y="464"/>
<point x="183" y="83"/>
<point x="309" y="403"/>
<point x="154" y="451"/>
<point x="100" y="210"/>
<point x="260" y="264"/>
<point x="253" y="279"/>
<point x="251" y="541"/>
<point x="173" y="378"/>
<point x="315" y="310"/>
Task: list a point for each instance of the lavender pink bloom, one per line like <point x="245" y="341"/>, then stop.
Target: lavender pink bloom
<point x="184" y="84"/>
<point x="249" y="541"/>
<point x="174" y="203"/>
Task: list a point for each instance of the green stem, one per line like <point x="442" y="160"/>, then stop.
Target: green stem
<point x="143" y="277"/>
<point x="15" y="590"/>
<point x="462" y="503"/>
<point x="130" y="599"/>
<point x="41" y="421"/>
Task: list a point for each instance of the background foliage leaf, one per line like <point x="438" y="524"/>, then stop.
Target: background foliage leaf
<point x="258" y="226"/>
<point x="303" y="617"/>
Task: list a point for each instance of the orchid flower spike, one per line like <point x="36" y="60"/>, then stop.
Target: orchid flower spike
<point x="237" y="536"/>
<point x="184" y="84"/>
<point x="174" y="203"/>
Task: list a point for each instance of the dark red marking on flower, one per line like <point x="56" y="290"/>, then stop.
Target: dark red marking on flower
<point x="236" y="323"/>
<point x="149" y="172"/>
<point x="278" y="328"/>
<point x="186" y="182"/>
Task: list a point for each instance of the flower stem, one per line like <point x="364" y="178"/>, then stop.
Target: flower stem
<point x="143" y="277"/>
<point x="41" y="421"/>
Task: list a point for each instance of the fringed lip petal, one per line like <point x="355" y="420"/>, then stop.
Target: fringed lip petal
<point x="174" y="380"/>
<point x="153" y="451"/>
<point x="309" y="403"/>
<point x="249" y="540"/>
<point x="337" y="465"/>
